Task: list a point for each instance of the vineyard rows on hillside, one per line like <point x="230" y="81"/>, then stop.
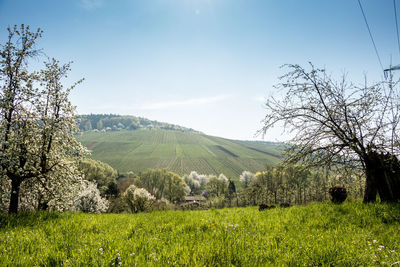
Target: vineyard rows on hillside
<point x="179" y="151"/>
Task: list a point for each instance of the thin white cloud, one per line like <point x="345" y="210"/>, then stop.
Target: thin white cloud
<point x="91" y="4"/>
<point x="183" y="103"/>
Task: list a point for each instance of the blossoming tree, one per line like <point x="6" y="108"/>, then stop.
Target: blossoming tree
<point x="37" y="121"/>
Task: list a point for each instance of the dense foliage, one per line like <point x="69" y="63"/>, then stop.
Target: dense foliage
<point x="162" y="184"/>
<point x="111" y="122"/>
<point x="138" y="199"/>
<point x="99" y="172"/>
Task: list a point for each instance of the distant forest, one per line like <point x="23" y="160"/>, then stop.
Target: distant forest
<point x="112" y="122"/>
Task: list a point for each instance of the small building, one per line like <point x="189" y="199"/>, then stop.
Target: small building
<point x="195" y="199"/>
<point x="194" y="203"/>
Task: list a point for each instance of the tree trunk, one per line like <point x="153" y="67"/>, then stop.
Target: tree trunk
<point x="15" y="186"/>
<point x="370" y="181"/>
<point x="389" y="182"/>
<point x="382" y="177"/>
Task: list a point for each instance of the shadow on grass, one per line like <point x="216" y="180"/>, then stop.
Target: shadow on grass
<point x="362" y="214"/>
<point x="24" y="219"/>
<point x="389" y="213"/>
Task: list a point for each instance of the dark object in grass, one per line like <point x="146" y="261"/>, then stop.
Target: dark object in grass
<point x="338" y="194"/>
<point x="265" y="207"/>
<point x="284" y="205"/>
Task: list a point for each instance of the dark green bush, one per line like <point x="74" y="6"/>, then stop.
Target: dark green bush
<point x="338" y="194"/>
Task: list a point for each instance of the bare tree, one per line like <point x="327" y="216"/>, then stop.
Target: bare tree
<point x="341" y="124"/>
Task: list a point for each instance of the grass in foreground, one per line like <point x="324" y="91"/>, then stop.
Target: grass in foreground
<point x="317" y="234"/>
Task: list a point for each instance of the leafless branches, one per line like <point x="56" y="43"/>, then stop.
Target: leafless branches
<point x="334" y="121"/>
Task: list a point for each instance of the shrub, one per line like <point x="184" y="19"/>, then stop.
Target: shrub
<point x="338" y="194"/>
<point x="162" y="204"/>
<point x="89" y="199"/>
<point x="138" y="199"/>
<point x="216" y="202"/>
<point x="117" y="205"/>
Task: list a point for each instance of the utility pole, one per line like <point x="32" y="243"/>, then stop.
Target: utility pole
<point x="385" y="71"/>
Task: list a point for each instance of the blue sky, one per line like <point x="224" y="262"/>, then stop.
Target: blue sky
<point x="204" y="64"/>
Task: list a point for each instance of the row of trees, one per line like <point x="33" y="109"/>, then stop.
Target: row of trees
<point x="297" y="185"/>
<point x="111" y="122"/>
<point x="165" y="189"/>
<point x="294" y="184"/>
<point x="162" y="189"/>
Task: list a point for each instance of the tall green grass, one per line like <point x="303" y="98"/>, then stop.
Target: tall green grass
<point x="317" y="234"/>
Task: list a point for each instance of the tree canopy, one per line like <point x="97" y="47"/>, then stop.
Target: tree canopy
<point x="163" y="184"/>
<point x="99" y="172"/>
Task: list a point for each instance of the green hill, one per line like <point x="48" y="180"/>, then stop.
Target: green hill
<point x="181" y="152"/>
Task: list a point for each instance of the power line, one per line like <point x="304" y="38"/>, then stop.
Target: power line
<point x="370" y="34"/>
<point x="397" y="26"/>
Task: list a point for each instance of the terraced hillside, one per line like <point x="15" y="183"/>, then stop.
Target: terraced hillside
<point x="180" y="152"/>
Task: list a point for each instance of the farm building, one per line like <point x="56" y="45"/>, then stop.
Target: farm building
<point x="194" y="199"/>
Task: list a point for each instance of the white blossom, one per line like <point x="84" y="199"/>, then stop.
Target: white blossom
<point x="89" y="199"/>
<point x="138" y="199"/>
<point x="246" y="177"/>
<point x="223" y="177"/>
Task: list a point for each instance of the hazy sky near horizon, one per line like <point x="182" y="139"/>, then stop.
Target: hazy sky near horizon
<point x="203" y="64"/>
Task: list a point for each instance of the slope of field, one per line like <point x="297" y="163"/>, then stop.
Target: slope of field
<point x="180" y="152"/>
<point x="351" y="234"/>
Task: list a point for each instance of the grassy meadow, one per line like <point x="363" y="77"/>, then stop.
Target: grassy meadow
<point x="181" y="152"/>
<point x="318" y="234"/>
